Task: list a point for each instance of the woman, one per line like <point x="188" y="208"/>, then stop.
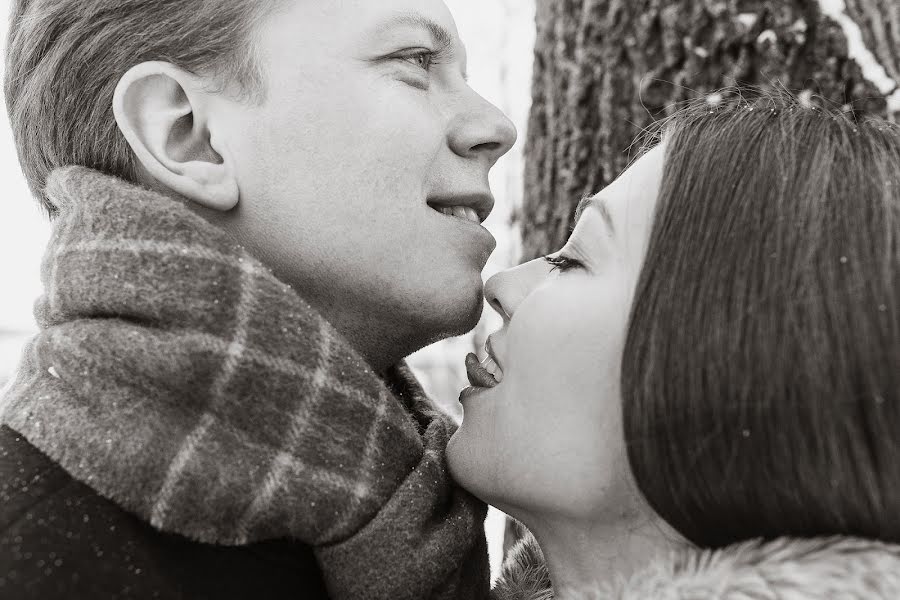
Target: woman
<point x="713" y="358"/>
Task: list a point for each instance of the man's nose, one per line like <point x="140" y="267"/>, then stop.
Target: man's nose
<point x="505" y="291"/>
<point x="480" y="129"/>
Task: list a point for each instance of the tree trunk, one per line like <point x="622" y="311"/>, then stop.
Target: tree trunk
<point x="606" y="69"/>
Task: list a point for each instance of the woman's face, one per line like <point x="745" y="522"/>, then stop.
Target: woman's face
<point x="548" y="437"/>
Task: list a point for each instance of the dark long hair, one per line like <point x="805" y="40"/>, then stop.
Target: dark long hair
<point x="761" y="374"/>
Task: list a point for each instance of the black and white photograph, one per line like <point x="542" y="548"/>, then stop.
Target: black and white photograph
<point x="450" y="300"/>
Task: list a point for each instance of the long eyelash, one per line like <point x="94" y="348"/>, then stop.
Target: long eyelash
<point x="562" y="263"/>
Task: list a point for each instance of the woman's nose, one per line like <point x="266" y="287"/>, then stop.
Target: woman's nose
<point x="505" y="291"/>
<point x="480" y="129"/>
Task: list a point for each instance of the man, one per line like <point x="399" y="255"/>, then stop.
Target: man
<point x="274" y="202"/>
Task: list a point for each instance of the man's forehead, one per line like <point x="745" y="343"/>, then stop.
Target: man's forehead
<point x="373" y="16"/>
<point x="368" y="27"/>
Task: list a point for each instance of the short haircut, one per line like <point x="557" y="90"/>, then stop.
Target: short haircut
<point x="65" y="57"/>
<point x="761" y="374"/>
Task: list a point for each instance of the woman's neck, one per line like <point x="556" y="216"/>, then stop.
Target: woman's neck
<point x="585" y="557"/>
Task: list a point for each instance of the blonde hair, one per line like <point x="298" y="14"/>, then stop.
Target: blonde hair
<point x="65" y="57"/>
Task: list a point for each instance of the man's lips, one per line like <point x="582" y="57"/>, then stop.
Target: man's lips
<point x="478" y="375"/>
<point x="480" y="203"/>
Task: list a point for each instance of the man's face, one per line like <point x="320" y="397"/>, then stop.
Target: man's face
<point x="367" y="128"/>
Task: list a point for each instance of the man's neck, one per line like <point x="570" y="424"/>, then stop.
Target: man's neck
<point x="584" y="557"/>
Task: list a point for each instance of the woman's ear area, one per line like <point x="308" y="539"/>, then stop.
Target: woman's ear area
<point x="163" y="113"/>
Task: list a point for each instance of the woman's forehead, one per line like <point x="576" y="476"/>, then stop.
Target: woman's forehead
<point x="636" y="188"/>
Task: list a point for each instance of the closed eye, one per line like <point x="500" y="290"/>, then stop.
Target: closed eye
<point x="563" y="263"/>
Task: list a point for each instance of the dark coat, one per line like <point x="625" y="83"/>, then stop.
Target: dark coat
<point x="61" y="540"/>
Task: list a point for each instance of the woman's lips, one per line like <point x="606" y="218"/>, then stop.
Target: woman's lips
<point x="478" y="375"/>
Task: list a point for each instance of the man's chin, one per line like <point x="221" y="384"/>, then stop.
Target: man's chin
<point x="465" y="317"/>
<point x="447" y="319"/>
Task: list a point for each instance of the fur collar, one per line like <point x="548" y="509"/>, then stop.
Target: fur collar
<point x="784" y="569"/>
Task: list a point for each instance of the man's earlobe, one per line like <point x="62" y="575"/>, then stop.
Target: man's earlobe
<point x="161" y="112"/>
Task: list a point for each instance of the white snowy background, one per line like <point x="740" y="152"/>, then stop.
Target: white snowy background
<point x="499" y="35"/>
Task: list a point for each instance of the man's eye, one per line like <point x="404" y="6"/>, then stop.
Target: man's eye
<point x="562" y="263"/>
<point x="423" y="59"/>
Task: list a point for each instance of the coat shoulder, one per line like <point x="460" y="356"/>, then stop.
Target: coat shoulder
<point x="60" y="539"/>
<point x="789" y="568"/>
<point x="27" y="478"/>
<point x="794" y="568"/>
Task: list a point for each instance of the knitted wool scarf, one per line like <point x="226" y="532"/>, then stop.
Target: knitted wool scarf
<point x="176" y="376"/>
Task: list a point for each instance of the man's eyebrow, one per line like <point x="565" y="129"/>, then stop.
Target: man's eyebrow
<point x="600" y="204"/>
<point x="439" y="34"/>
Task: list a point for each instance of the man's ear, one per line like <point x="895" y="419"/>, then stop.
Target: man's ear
<point x="161" y="111"/>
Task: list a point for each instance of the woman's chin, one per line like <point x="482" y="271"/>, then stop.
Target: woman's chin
<point x="457" y="462"/>
<point x="468" y="467"/>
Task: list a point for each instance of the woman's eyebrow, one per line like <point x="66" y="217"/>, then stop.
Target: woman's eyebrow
<point x="600" y="204"/>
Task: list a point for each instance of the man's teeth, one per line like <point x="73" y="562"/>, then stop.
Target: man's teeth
<point x="493" y="368"/>
<point x="463" y="212"/>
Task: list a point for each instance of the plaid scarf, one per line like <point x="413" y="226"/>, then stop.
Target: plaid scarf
<point x="175" y="375"/>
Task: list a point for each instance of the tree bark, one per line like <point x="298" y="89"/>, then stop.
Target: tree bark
<point x="606" y="69"/>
